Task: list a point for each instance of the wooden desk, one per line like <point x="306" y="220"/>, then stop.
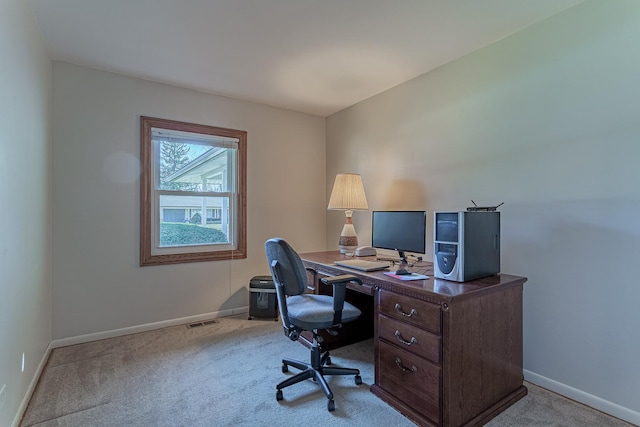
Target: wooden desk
<point x="446" y="353"/>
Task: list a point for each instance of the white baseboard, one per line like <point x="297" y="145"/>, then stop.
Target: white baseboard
<point x="595" y="402"/>
<point x="32" y="387"/>
<point x="63" y="342"/>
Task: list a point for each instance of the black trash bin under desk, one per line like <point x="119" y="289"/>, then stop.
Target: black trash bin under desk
<point x="263" y="301"/>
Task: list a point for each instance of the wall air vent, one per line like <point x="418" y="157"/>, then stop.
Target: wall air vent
<point x="202" y="323"/>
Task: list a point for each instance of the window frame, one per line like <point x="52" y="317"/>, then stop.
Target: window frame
<point x="148" y="196"/>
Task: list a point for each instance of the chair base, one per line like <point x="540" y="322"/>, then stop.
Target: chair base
<point x="316" y="371"/>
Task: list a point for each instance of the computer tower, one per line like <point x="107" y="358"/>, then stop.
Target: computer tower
<point x="466" y="245"/>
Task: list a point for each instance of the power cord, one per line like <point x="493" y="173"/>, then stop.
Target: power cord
<point x="418" y="259"/>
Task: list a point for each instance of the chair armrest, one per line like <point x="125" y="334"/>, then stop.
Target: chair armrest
<point x="339" y="292"/>
<point x="345" y="278"/>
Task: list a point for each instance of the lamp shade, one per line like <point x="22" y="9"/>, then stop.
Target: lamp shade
<point x="348" y="193"/>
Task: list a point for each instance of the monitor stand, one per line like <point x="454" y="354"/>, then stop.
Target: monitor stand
<point x="402" y="267"/>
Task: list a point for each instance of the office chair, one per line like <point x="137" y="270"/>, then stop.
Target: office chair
<point x="307" y="312"/>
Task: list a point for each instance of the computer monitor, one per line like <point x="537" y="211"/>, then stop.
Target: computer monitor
<point x="402" y="231"/>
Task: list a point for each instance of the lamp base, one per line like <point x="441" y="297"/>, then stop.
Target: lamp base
<point x="348" y="239"/>
<point x="349" y="247"/>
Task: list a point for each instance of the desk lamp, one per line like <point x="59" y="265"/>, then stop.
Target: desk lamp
<point x="348" y="195"/>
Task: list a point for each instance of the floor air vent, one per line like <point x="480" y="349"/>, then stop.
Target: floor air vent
<point x="203" y="323"/>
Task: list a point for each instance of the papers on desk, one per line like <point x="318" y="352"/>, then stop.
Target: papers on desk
<point x="412" y="276"/>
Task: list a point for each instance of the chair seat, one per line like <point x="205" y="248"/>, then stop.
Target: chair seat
<point x="310" y="312"/>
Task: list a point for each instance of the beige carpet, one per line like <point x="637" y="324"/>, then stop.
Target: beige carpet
<point x="224" y="374"/>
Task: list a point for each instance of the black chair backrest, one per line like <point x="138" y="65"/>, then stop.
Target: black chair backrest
<point x="289" y="278"/>
<point x="288" y="270"/>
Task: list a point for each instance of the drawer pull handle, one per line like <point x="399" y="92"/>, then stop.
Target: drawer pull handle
<point x="413" y="311"/>
<point x="410" y="370"/>
<point x="403" y="341"/>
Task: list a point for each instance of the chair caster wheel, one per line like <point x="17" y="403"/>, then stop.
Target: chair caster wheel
<point x="279" y="395"/>
<point x="331" y="406"/>
<point x="285" y="368"/>
<point x="358" y="380"/>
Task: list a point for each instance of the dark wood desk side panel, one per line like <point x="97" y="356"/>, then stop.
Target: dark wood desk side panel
<point x="482" y="339"/>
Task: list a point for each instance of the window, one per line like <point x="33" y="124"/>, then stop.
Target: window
<point x="193" y="192"/>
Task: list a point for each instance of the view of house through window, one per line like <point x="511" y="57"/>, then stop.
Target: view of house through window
<point x="194" y="205"/>
<point x="189" y="164"/>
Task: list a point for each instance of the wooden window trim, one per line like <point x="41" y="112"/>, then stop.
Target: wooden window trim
<point x="146" y="193"/>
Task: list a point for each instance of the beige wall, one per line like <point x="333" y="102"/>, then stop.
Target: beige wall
<point x="98" y="284"/>
<point x="25" y="213"/>
<point x="546" y="121"/>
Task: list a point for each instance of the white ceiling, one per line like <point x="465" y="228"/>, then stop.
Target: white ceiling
<point x="313" y="56"/>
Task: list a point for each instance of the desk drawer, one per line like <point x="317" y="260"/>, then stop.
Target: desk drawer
<point x="413" y="380"/>
<point x="410" y="338"/>
<point x="420" y="313"/>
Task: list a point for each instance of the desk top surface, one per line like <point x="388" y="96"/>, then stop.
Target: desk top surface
<point x="440" y="289"/>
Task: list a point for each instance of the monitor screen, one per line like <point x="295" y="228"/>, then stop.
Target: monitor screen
<point x="403" y="231"/>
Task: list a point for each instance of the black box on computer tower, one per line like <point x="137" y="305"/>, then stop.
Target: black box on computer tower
<point x="466" y="245"/>
<point x="263" y="301"/>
